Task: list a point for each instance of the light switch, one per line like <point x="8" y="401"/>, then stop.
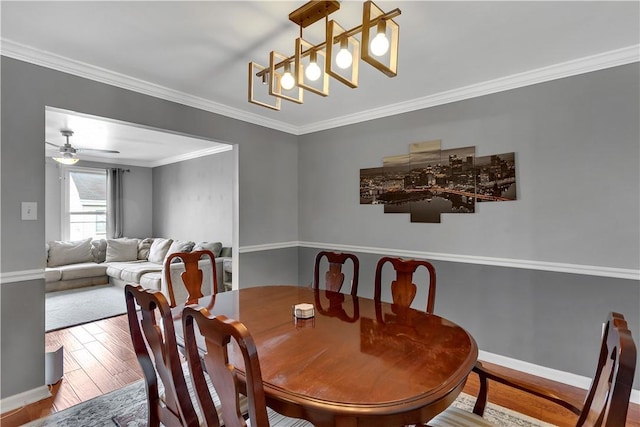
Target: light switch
<point x="29" y="211"/>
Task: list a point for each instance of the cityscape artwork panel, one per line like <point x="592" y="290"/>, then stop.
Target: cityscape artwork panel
<point x="430" y="181"/>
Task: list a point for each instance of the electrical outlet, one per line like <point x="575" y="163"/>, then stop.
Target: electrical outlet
<point x="29" y="211"/>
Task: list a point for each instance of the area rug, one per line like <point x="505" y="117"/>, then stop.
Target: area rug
<point x="73" y="307"/>
<point x="127" y="407"/>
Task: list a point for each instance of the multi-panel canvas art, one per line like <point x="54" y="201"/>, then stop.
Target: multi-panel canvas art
<point x="430" y="181"/>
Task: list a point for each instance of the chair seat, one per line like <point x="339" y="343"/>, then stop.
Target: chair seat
<point x="456" y="417"/>
<point x="278" y="420"/>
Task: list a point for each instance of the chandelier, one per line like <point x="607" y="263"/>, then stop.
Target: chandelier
<point x="309" y="68"/>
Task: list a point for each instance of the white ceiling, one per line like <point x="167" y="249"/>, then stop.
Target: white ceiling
<point x="197" y="52"/>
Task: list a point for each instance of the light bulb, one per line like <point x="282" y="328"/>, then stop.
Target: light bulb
<point x="313" y="71"/>
<point x="344" y="58"/>
<point x="287" y="81"/>
<point x="380" y="44"/>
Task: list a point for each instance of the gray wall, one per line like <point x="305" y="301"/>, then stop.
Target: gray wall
<point x="267" y="191"/>
<point x="193" y="199"/>
<point x="306" y="189"/>
<point x="577" y="147"/>
<point x="137" y="194"/>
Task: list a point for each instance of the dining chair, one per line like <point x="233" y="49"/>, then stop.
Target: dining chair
<point x="156" y="351"/>
<point x="193" y="278"/>
<point x="606" y="402"/>
<point x="403" y="290"/>
<point x="218" y="331"/>
<point x="334" y="277"/>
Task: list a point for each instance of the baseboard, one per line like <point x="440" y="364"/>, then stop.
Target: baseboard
<point x="25" y="398"/>
<point x="547" y="373"/>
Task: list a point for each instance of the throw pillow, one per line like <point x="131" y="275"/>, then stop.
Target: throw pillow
<point x="144" y="248"/>
<point x="214" y="247"/>
<point x="178" y="246"/>
<point x="75" y="252"/>
<point x="159" y="249"/>
<point x="99" y="250"/>
<point x="122" y="250"/>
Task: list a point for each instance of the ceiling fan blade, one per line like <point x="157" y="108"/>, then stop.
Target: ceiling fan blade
<point x="46" y="142"/>
<point x="96" y="150"/>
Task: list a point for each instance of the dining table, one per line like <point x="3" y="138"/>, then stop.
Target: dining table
<point x="356" y="362"/>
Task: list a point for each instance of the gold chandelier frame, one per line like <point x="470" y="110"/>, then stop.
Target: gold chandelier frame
<point x="288" y="77"/>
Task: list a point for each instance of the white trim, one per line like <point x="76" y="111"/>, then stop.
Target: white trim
<point x="26" y="53"/>
<point x="192" y="155"/>
<point x="588" y="270"/>
<point x="544" y="372"/>
<point x="268" y="247"/>
<point x="597" y="62"/>
<point x="600" y="61"/>
<point x="21" y="276"/>
<point x="25" y="398"/>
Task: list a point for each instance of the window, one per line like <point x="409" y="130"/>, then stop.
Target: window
<point x="85" y="203"/>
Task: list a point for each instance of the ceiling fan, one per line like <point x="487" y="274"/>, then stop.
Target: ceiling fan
<point x="68" y="152"/>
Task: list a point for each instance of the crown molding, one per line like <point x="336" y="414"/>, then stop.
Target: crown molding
<point x="46" y="59"/>
<point x="192" y="155"/>
<point x="588" y="64"/>
<point x="597" y="62"/>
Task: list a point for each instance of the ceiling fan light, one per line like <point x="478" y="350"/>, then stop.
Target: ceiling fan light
<point x="67" y="159"/>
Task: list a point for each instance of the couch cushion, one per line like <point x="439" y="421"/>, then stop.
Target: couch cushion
<point x="144" y="246"/>
<point x="63" y="253"/>
<point x="122" y="250"/>
<point x="159" y="249"/>
<point x="81" y="271"/>
<point x="114" y="269"/>
<point x="214" y="247"/>
<point x="52" y="274"/>
<point x="151" y="280"/>
<point x="178" y="246"/>
<point x="134" y="272"/>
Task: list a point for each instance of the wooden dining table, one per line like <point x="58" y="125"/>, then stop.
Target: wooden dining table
<point x="355" y="363"/>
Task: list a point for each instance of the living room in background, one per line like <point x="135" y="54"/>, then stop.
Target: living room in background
<point x="84" y="212"/>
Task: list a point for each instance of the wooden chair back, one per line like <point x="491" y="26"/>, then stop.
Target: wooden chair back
<point x="403" y="290"/>
<point x="217" y="332"/>
<point x="334" y="277"/>
<point x="192" y="277"/>
<point x="156" y="350"/>
<point x="607" y="401"/>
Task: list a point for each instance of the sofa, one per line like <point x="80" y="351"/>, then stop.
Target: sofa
<point x="92" y="262"/>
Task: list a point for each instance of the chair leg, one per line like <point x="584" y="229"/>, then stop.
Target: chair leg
<point x="481" y="401"/>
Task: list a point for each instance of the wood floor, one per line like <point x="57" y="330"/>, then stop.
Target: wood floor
<point x="98" y="358"/>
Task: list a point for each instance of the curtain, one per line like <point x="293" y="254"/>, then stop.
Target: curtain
<point x="114" y="203"/>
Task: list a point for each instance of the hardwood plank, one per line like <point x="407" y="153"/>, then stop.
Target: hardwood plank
<point x="104" y="380"/>
<point x="119" y="347"/>
<point x="82" y="384"/>
<point x="109" y="360"/>
<point x="81" y="334"/>
<point x="64" y="396"/>
<point x="67" y="339"/>
<point x="93" y="328"/>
